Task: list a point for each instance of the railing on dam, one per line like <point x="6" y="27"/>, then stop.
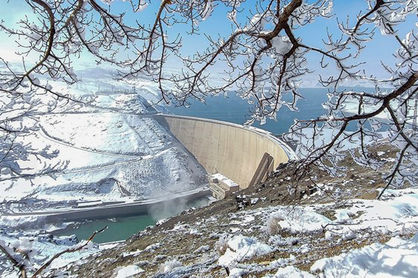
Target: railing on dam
<point x="233" y="150"/>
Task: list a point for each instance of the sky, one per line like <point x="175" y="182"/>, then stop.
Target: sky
<point x="380" y="49"/>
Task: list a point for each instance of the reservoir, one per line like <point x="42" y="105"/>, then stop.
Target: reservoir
<point x="234" y="109"/>
<point x="121" y="228"/>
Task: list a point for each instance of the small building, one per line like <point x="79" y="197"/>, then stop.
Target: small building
<point x="222" y="186"/>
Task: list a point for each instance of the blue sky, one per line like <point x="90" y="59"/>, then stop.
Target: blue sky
<point x="381" y="48"/>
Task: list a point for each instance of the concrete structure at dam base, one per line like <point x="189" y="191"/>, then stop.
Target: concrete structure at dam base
<point x="245" y="155"/>
<point x="221" y="186"/>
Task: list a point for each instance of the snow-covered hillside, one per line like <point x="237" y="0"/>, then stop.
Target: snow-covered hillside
<point x="110" y="149"/>
<point x="365" y="238"/>
<point x="338" y="229"/>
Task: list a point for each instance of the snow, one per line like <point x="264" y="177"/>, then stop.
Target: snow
<point x="128" y="271"/>
<point x="291" y="271"/>
<point x="255" y="20"/>
<point x="226" y="181"/>
<point x="398" y="214"/>
<point x="133" y="253"/>
<point x="152" y="247"/>
<point x="282" y="44"/>
<point x="396" y="258"/>
<point x="170" y="265"/>
<point x="300" y="219"/>
<point x="394" y="216"/>
<point x="241" y="248"/>
<point x="208" y="10"/>
<point x="141" y="6"/>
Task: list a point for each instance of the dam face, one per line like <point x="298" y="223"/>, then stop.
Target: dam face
<point x="233" y="150"/>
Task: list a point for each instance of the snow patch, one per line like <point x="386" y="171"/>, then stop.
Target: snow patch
<point x="396" y="258"/>
<point x="291" y="271"/>
<point x="241" y="248"/>
<point x="128" y="271"/>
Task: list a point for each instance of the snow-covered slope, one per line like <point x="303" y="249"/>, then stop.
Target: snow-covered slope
<point x="351" y="238"/>
<point x="110" y="149"/>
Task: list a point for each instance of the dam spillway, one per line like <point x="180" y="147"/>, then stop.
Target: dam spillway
<point x="233" y="150"/>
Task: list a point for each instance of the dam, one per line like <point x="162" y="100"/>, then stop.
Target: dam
<point x="245" y="155"/>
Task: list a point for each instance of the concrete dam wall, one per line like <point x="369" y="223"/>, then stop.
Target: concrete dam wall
<point x="233" y="150"/>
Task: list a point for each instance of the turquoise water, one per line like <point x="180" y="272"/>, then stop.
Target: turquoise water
<point x="121" y="228"/>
